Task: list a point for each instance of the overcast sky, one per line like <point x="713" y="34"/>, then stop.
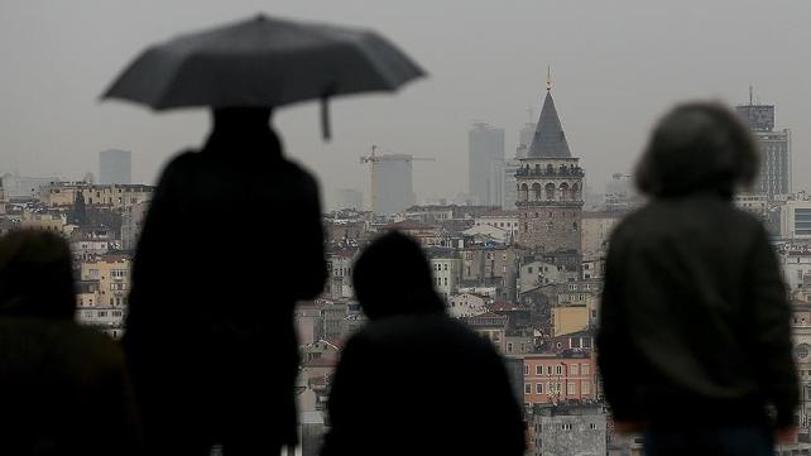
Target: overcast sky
<point x="616" y="66"/>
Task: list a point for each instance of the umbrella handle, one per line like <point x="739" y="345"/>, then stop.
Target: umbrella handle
<point x="326" y="132"/>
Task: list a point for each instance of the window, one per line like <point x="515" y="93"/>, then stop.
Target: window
<point x="526" y="369"/>
<point x="585" y="387"/>
<point x="585" y="369"/>
<point x="527" y="388"/>
<point x="539" y="388"/>
<point x="548" y="370"/>
<point x="558" y="369"/>
<point x="509" y="347"/>
<point x="571" y="390"/>
<point x="573" y="370"/>
<point x="539" y="370"/>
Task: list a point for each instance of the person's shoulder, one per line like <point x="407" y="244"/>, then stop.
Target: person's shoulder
<point x="298" y="172"/>
<point x="438" y="326"/>
<point x="179" y="164"/>
<point x="90" y="346"/>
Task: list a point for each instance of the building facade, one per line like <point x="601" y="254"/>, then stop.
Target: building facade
<point x="553" y="378"/>
<point x="774" y="177"/>
<point x="550" y="188"/>
<point x="393" y="185"/>
<point x="486" y="163"/>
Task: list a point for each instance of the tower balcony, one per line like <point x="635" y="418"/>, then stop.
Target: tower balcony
<point x="550" y="203"/>
<point x="563" y="171"/>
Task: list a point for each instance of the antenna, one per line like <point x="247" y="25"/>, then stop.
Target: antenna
<point x="750" y="94"/>
<point x="548" y="78"/>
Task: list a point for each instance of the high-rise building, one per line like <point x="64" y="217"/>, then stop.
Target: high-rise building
<point x="550" y="187"/>
<point x="508" y="192"/>
<point x="393" y="188"/>
<point x="774" y="177"/>
<point x="115" y="167"/>
<point x="485" y="163"/>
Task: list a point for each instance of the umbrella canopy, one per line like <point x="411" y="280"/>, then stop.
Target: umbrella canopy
<point x="264" y="62"/>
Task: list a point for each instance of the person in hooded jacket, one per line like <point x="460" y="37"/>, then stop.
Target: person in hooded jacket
<point x="413" y="380"/>
<point x="231" y="241"/>
<point x="64" y="388"/>
<point x="694" y="343"/>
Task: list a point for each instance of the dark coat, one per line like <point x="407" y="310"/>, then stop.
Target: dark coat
<point x="694" y="320"/>
<point x="233" y="238"/>
<point x="422" y="384"/>
<point x="64" y="391"/>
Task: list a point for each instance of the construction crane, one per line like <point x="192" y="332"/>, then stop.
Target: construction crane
<point x="374" y="159"/>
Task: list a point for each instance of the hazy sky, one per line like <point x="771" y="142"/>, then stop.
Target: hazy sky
<point x="617" y="65"/>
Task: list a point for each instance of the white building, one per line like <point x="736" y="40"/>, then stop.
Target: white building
<point x="506" y="220"/>
<point x="795" y="220"/>
<point x="466" y="305"/>
<point x="447" y="274"/>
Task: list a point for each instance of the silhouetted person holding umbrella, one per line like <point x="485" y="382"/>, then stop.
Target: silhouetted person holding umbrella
<point x="694" y="342"/>
<point x="233" y="238"/>
<point x="414" y="381"/>
<point x="63" y="387"/>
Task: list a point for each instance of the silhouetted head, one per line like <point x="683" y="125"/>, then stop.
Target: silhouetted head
<point x="393" y="277"/>
<point x="242" y="129"/>
<point x="36" y="276"/>
<point x="698" y="147"/>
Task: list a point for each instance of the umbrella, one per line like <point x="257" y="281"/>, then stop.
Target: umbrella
<point x="264" y="62"/>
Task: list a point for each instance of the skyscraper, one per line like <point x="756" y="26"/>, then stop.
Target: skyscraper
<point x="393" y="188"/>
<point x="774" y="177"/>
<point x="550" y="187"/>
<point x="115" y="167"/>
<point x="486" y="163"/>
<point x="509" y="193"/>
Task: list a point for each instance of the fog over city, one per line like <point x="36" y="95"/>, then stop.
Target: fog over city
<point x="615" y="67"/>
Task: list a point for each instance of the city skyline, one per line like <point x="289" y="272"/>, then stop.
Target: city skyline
<point x="612" y="84"/>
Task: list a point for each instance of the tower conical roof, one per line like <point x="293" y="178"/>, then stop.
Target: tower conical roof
<point x="549" y="140"/>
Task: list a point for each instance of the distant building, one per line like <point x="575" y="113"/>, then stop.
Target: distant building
<point x="447" y="273"/>
<point x="393" y="184"/>
<point x="486" y="163"/>
<point x="104" y="284"/>
<point x="555" y="378"/>
<point x="550" y="187"/>
<point x="340" y="279"/>
<point x="115" y="167"/>
<point x="20" y="187"/>
<point x="509" y="192"/>
<point x="621" y="194"/>
<point x="466" y="305"/>
<point x="795" y="220"/>
<point x="569" y="429"/>
<point x="504" y="219"/>
<point x="491" y="326"/>
<point x="775" y="149"/>
<point x="595" y="232"/>
<point x="114" y="196"/>
<point x="132" y="222"/>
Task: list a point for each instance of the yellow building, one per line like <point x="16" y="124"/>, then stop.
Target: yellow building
<point x="63" y="194"/>
<point x="54" y="223"/>
<point x="570" y="319"/>
<point x="113" y="275"/>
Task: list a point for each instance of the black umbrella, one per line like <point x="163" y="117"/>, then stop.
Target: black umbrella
<point x="264" y="62"/>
